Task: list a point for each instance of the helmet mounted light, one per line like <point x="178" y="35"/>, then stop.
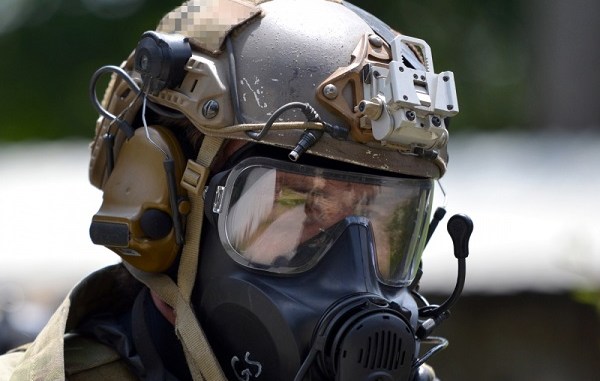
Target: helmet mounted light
<point x="407" y="105"/>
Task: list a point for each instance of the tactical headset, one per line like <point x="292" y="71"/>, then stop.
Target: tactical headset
<point x="139" y="170"/>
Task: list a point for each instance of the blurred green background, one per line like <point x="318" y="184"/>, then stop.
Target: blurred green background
<point x="518" y="64"/>
<point x="50" y="48"/>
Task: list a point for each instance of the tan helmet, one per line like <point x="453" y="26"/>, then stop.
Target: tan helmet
<point x="314" y="76"/>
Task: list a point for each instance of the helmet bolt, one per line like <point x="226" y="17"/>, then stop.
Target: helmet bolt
<point x="436" y="121"/>
<point x="410" y="115"/>
<point x="330" y="91"/>
<point x="210" y="109"/>
<point x="375" y="40"/>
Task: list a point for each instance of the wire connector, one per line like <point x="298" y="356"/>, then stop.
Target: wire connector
<point x="307" y="140"/>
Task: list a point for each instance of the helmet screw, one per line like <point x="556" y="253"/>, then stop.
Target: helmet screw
<point x="210" y="109"/>
<point x="330" y="91"/>
<point x="436" y="121"/>
<point x="410" y="115"/>
<point x="375" y="40"/>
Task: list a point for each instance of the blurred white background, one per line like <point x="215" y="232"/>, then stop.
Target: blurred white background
<point x="532" y="199"/>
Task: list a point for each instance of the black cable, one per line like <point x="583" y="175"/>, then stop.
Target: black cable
<point x="437" y="217"/>
<point x="308" y="111"/>
<point x="419" y="297"/>
<point x="441" y="343"/>
<point x="94" y="81"/>
<point x="235" y="100"/>
<point x="132" y="85"/>
<point x="435" y="310"/>
<point x="460" y="283"/>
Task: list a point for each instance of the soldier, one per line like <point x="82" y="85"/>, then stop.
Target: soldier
<point x="267" y="170"/>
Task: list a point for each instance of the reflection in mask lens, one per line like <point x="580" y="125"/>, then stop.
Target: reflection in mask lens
<point x="283" y="217"/>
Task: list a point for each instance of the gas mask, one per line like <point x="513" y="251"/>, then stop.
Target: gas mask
<point x="307" y="250"/>
<point x="305" y="269"/>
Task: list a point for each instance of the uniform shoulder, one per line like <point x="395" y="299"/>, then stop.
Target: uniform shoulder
<point x="89" y="360"/>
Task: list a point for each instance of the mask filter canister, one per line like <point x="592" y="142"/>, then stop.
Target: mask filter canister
<point x="363" y="338"/>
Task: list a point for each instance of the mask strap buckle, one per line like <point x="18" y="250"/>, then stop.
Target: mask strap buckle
<point x="194" y="177"/>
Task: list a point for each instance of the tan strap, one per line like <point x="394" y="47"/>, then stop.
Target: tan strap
<point x="189" y="255"/>
<point x="201" y="360"/>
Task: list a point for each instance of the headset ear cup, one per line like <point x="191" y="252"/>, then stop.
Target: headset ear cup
<point x="156" y="223"/>
<point x="139" y="203"/>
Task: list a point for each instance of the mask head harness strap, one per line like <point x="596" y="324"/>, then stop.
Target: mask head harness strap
<point x="200" y="358"/>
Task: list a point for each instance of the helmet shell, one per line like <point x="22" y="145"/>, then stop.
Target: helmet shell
<point x="283" y="51"/>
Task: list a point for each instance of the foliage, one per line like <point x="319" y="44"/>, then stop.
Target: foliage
<point x="47" y="63"/>
<point x="589" y="297"/>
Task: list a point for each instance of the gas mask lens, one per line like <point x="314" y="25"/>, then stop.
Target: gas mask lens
<point x="282" y="217"/>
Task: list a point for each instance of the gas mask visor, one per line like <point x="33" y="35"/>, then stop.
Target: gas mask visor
<point x="282" y="217"/>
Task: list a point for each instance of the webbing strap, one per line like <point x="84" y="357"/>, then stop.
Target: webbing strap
<point x="200" y="170"/>
<point x="199" y="355"/>
<point x="200" y="358"/>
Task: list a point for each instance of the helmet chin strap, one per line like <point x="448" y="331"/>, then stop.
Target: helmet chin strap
<point x="201" y="360"/>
